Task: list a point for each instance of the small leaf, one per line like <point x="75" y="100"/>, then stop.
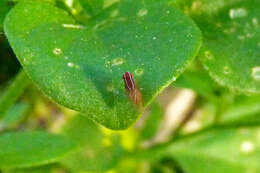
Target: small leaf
<point x="215" y="151"/>
<point x="81" y="67"/>
<point x="26" y="149"/>
<point x="231" y="47"/>
<point x="244" y="110"/>
<point x="152" y="121"/>
<point x="14" y="115"/>
<point x="13" y="92"/>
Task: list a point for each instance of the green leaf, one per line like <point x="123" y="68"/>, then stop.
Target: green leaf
<point x="81" y="67"/>
<point x="26" y="149"/>
<point x="52" y="168"/>
<point x="93" y="154"/>
<point x="152" y="122"/>
<point x="199" y="81"/>
<point x="4" y="8"/>
<point x="231" y="47"/>
<point x="13" y="92"/>
<point x="215" y="151"/>
<point x="244" y="110"/>
<point x="14" y="115"/>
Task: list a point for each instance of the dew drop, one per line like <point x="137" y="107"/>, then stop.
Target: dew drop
<point x="139" y="71"/>
<point x="117" y="61"/>
<point x="227" y="70"/>
<point x="142" y="12"/>
<point x="70" y="64"/>
<point x="256" y="73"/>
<point x="57" y="51"/>
<point x="107" y="64"/>
<point x="208" y="55"/>
<point x="154" y="38"/>
<point x="247" y="147"/>
<point x="237" y="13"/>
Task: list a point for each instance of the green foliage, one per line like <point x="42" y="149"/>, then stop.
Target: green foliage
<point x="231" y="43"/>
<point x="25" y="149"/>
<point x="152" y="122"/>
<point x="198" y="81"/>
<point x="14" y="116"/>
<point x="219" y="150"/>
<point x="81" y="67"/>
<point x="75" y="53"/>
<point x="244" y="110"/>
<point x="92" y="154"/>
<point x="13" y="92"/>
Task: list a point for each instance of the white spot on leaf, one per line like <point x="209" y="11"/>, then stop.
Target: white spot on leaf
<point x="247" y="147"/>
<point x="72" y="26"/>
<point x="139" y="71"/>
<point x="227" y="70"/>
<point x="70" y="64"/>
<point x="256" y="73"/>
<point x="208" y="55"/>
<point x="114" y="13"/>
<point x="117" y="61"/>
<point x="237" y="13"/>
<point x="241" y="37"/>
<point x="57" y="51"/>
<point x="142" y="12"/>
<point x="255" y="22"/>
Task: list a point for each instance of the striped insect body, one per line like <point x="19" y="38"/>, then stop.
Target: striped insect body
<point x="131" y="88"/>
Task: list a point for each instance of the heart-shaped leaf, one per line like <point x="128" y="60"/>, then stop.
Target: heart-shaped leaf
<point x="231" y="46"/>
<point x="25" y="149"/>
<point x="81" y="67"/>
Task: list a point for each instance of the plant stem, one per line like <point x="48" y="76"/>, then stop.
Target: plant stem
<point x="13" y="92"/>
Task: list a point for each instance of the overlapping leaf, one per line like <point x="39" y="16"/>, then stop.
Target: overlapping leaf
<point x="231" y="46"/>
<point x="26" y="149"/>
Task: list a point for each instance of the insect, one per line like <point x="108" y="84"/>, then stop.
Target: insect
<point x="131" y="89"/>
